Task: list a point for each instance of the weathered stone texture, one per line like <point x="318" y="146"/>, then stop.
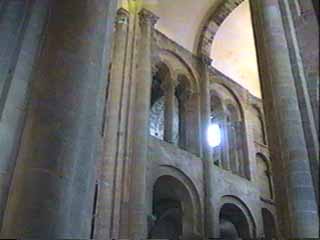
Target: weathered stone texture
<point x="116" y="148"/>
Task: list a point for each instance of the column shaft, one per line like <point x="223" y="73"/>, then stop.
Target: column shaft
<point x="225" y="144"/>
<point x="169" y="92"/>
<point x="17" y="59"/>
<point x="207" y="151"/>
<point x="111" y="171"/>
<point x="301" y="217"/>
<point x="51" y="194"/>
<point x="137" y="209"/>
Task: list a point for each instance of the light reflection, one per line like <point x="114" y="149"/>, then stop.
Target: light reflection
<point x="213" y="135"/>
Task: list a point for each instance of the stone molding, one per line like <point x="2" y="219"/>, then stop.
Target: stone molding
<point x="147" y="16"/>
<point x="122" y="16"/>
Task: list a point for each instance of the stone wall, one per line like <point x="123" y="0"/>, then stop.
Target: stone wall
<point x="250" y="110"/>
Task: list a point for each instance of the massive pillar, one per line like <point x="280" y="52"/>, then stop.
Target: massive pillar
<point x="137" y="209"/>
<point x="207" y="151"/>
<point x="302" y="32"/>
<point x="110" y="181"/>
<point x="51" y="194"/>
<point x="22" y="24"/>
<point x="297" y="208"/>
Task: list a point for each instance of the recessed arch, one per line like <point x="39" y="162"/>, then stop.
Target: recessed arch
<point x="264" y="176"/>
<point x="269" y="224"/>
<point x="161" y="76"/>
<point x="234" y="154"/>
<point x="235" y="97"/>
<point x="216" y="102"/>
<point x="259" y="125"/>
<point x="231" y="203"/>
<point x="178" y="66"/>
<point x="185" y="193"/>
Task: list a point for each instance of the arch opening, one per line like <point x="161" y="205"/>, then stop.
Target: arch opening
<point x="264" y="177"/>
<point x="172" y="210"/>
<point x="233" y="222"/>
<point x="269" y="224"/>
<point x="157" y="104"/>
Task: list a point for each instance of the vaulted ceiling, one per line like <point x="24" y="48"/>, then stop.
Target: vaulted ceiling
<point x="191" y="22"/>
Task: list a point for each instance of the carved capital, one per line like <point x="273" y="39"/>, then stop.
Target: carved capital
<point x="147" y="17"/>
<point x="122" y="16"/>
<point x="168" y="85"/>
<point x="154" y="69"/>
<point x="206" y="59"/>
<point x="185" y="95"/>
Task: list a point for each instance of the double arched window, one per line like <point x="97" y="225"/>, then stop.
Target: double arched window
<point x="174" y="109"/>
<point x="226" y="113"/>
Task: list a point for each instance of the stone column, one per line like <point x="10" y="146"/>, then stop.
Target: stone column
<point x="169" y="87"/>
<point x="225" y="144"/>
<point x="241" y="147"/>
<point x="51" y="194"/>
<point x="193" y="123"/>
<point x="184" y="120"/>
<point x="111" y="170"/>
<point x="137" y="209"/>
<point x="232" y="140"/>
<point x="300" y="217"/>
<point x="207" y="150"/>
<point x="18" y="53"/>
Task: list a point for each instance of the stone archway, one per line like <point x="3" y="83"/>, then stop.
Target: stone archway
<point x="269" y="224"/>
<point x="172" y="210"/>
<point x="235" y="219"/>
<point x="233" y="222"/>
<point x="211" y="24"/>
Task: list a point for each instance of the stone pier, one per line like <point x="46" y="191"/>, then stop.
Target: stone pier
<point x="297" y="208"/>
<point x="51" y="194"/>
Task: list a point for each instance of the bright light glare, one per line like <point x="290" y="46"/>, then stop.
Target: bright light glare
<point x="213" y="135"/>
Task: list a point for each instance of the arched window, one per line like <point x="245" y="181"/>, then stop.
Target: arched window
<point x="183" y="95"/>
<point x="269" y="224"/>
<point x="164" y="119"/>
<point x="217" y="118"/>
<point x="156" y="118"/>
<point x="258" y="126"/>
<point x="174" y="109"/>
<point x="235" y="139"/>
<point x="264" y="177"/>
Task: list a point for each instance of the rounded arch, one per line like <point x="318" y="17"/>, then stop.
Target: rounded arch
<point x="168" y="171"/>
<point x="264" y="176"/>
<point x="233" y="111"/>
<point x="211" y="23"/>
<point x="257" y="108"/>
<point x="234" y="203"/>
<point x="235" y="154"/>
<point x="184" y="84"/>
<point x="232" y="93"/>
<point x="178" y="67"/>
<point x="216" y="102"/>
<point x="162" y="74"/>
<point x="260" y="133"/>
<point x="269" y="224"/>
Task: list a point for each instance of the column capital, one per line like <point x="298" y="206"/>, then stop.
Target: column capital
<point x="205" y="59"/>
<point x="122" y="16"/>
<point x="185" y="95"/>
<point x="168" y="84"/>
<point x="147" y="16"/>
